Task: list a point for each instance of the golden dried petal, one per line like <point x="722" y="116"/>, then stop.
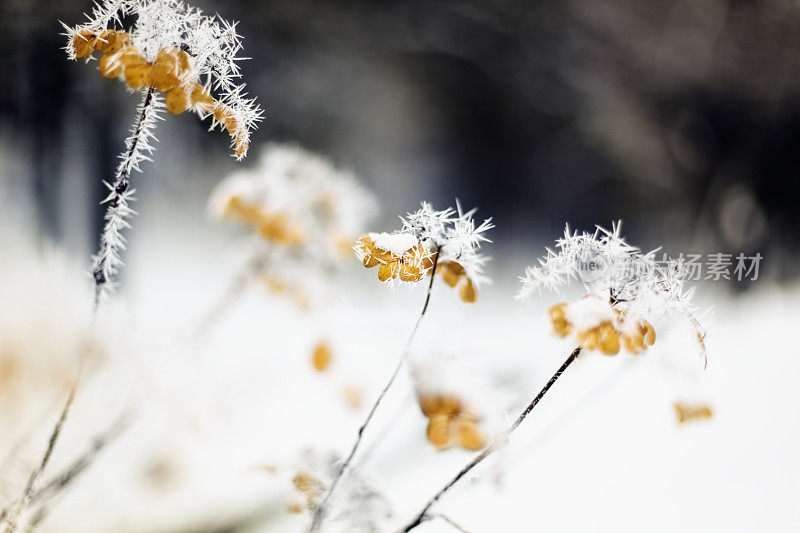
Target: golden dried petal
<point x="609" y="339"/>
<point x="438" y="431"/>
<point x="321" y="357"/>
<point x="177" y="100"/>
<point x="83" y="43"/>
<point x="430" y="404"/>
<point x="388" y="270"/>
<point x="110" y="66"/>
<point x="468" y="292"/>
<point x="468" y="435"/>
<point x="650" y="333"/>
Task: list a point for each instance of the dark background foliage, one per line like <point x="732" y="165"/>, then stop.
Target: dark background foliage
<point x="680" y="117"/>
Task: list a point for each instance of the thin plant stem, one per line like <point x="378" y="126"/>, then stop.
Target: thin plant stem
<point x="58" y="484"/>
<point x="458" y="527"/>
<point x="119" y="191"/>
<point x="104" y="263"/>
<point x="319" y="512"/>
<point x="10" y="518"/>
<point x="423" y="514"/>
<point x="232" y="293"/>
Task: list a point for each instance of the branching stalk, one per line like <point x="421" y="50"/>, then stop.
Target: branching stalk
<point x="319" y="512"/>
<point x="423" y="514"/>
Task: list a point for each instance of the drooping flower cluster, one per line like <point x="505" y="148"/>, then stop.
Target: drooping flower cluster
<point x="175" y="49"/>
<point x="304" y="212"/>
<point x="445" y="239"/>
<point x="294" y="198"/>
<point x="627" y="290"/>
<point x="600" y="326"/>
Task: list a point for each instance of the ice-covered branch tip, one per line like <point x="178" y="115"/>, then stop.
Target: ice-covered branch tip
<point x="627" y="289"/>
<point x="176" y="49"/>
<point x="427" y="237"/>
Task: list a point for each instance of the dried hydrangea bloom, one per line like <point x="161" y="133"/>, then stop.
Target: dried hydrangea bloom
<point x="446" y="241"/>
<point x="176" y="50"/>
<point x="294" y="198"/>
<point x="627" y="291"/>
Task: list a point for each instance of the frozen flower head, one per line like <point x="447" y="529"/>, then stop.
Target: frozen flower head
<point x="447" y="240"/>
<point x="175" y="49"/>
<point x="627" y="290"/>
<point x="297" y="199"/>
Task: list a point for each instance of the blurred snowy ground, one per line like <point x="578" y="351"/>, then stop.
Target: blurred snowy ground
<point x="220" y="422"/>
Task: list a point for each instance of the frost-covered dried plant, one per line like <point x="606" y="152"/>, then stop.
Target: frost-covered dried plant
<point x="169" y="48"/>
<point x="627" y="290"/>
<point x="302" y="212"/>
<point x="297" y="199"/>
<point x="428" y="238"/>
<point x="446" y="241"/>
<point x="175" y="49"/>
<point x="363" y="505"/>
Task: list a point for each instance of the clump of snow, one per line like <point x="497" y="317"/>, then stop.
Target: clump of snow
<point x="588" y="313"/>
<point x="395" y="243"/>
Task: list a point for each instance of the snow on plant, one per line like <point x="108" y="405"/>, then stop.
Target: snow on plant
<point x="428" y="238"/>
<point x="296" y="199"/>
<point x="452" y="420"/>
<point x="302" y="212"/>
<point x="170" y="48"/>
<point x="626" y="289"/>
<point x="446" y="241"/>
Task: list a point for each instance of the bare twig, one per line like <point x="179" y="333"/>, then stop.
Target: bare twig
<point x="58" y="484"/>
<point x="423" y="514"/>
<point x="450" y="521"/>
<point x="10" y="517"/>
<point x="319" y="512"/>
